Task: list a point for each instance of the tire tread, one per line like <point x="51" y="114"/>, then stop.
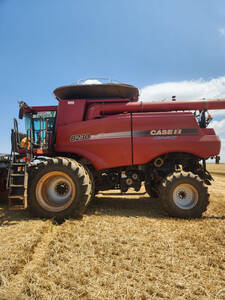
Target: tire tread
<point x="167" y="185"/>
<point x="84" y="182"/>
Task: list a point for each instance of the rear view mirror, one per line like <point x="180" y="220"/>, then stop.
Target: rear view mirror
<point x="21" y="113"/>
<point x="22" y="105"/>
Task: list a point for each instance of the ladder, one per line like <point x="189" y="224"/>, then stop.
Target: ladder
<point x="17" y="184"/>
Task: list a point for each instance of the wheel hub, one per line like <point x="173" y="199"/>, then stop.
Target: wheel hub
<point x="182" y="195"/>
<point x="55" y="191"/>
<point x="62" y="188"/>
<point x="185" y="196"/>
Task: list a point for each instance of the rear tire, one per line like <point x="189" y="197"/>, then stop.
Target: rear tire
<point x="184" y="195"/>
<point x="60" y="188"/>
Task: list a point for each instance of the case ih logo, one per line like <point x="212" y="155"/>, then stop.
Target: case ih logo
<point x="165" y="132"/>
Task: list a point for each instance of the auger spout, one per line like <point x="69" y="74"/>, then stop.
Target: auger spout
<point x="97" y="110"/>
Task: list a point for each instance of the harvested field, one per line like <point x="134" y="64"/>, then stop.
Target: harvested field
<point x="218" y="169"/>
<point x="124" y="248"/>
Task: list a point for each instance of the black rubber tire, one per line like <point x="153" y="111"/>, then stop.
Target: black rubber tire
<point x="173" y="181"/>
<point x="151" y="192"/>
<point x="88" y="170"/>
<point x="80" y="185"/>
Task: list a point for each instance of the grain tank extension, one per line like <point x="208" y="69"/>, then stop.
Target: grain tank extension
<point x="100" y="137"/>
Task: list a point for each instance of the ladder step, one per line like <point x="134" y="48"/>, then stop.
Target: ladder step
<point x="13" y="175"/>
<point x="16" y="207"/>
<point x="16" y="197"/>
<point x="16" y="193"/>
<point x="17" y="182"/>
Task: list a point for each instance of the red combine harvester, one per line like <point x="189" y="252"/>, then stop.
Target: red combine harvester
<point x="100" y="137"/>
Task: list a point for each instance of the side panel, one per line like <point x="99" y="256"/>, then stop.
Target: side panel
<point x="155" y="134"/>
<point x="105" y="142"/>
<point x="70" y="111"/>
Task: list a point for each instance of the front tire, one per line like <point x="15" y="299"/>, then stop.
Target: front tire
<point x="60" y="188"/>
<point x="184" y="195"/>
<point x="152" y="192"/>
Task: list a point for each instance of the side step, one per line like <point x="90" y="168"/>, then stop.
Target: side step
<point x="18" y="179"/>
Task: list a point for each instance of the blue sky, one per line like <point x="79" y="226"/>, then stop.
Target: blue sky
<point x="48" y="43"/>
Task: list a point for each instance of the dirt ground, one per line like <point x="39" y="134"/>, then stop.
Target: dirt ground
<point x="124" y="248"/>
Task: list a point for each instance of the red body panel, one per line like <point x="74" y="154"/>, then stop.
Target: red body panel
<point x="101" y="148"/>
<point x="70" y="111"/>
<point x="41" y="108"/>
<point x="146" y="148"/>
<point x="107" y="142"/>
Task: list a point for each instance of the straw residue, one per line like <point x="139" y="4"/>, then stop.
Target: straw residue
<point x="124" y="248"/>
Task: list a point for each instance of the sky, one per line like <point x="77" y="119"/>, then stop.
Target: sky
<point x="164" y="47"/>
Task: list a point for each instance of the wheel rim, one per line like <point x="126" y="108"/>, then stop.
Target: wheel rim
<point x="185" y="196"/>
<point x="55" y="191"/>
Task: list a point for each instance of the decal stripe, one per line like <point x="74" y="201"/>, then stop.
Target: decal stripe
<point x="111" y="135"/>
<point x="191" y="131"/>
<point x="138" y="133"/>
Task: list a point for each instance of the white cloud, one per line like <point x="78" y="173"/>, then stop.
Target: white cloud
<point x="222" y="152"/>
<point x="185" y="90"/>
<point x="92" y="81"/>
<point x="219" y="112"/>
<point x="219" y="126"/>
<point x="221" y="31"/>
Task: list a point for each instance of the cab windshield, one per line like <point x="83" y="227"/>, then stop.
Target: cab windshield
<point x="40" y="128"/>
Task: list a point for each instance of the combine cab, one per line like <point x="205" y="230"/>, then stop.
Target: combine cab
<point x="100" y="137"/>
